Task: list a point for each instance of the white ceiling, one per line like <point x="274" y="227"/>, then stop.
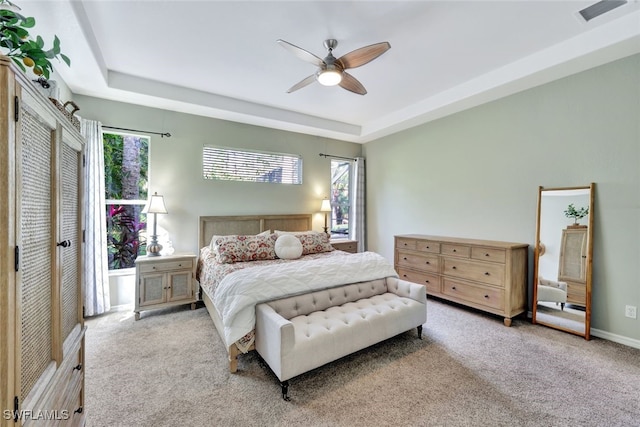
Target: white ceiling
<point x="221" y="59"/>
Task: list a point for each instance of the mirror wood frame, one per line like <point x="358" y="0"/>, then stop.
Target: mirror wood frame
<point x="539" y="250"/>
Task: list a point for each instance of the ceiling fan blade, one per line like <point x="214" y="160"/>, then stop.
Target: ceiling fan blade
<point x="301" y="53"/>
<point x="350" y="83"/>
<point x="361" y="56"/>
<point x="304" y="82"/>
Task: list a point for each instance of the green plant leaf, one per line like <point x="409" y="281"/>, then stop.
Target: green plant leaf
<point x="40" y="42"/>
<point x="29" y="22"/>
<point x="19" y="63"/>
<point x="65" y="59"/>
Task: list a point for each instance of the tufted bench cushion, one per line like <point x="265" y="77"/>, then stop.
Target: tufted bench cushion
<point x="300" y="333"/>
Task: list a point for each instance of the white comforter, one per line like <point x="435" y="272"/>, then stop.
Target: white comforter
<point x="239" y="292"/>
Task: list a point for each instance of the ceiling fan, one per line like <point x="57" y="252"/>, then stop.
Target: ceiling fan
<point x="331" y="71"/>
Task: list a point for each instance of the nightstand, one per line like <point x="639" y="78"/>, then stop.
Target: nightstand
<point x="345" y="245"/>
<point x="164" y="281"/>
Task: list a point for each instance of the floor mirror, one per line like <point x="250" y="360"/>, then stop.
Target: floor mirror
<point x="563" y="259"/>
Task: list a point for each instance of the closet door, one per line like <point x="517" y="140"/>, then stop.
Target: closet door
<point x="36" y="207"/>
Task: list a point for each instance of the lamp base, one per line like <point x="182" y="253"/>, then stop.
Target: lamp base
<point x="154" y="248"/>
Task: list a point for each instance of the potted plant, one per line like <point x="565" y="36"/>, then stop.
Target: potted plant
<point x="576" y="214"/>
<point x="17" y="43"/>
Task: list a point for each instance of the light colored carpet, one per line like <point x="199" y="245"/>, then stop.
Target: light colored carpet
<point x="170" y="369"/>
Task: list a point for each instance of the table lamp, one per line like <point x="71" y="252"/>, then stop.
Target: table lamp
<point x="155" y="207"/>
<point x="325" y="207"/>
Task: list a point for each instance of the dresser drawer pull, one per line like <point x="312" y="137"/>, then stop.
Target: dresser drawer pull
<point x="427" y="262"/>
<point x="179" y="265"/>
<point x="486" y="273"/>
<point x="404" y="258"/>
<point x="486" y="296"/>
<point x="78" y="411"/>
<point x="487" y="255"/>
<point x="455" y="250"/>
<point x="153" y="268"/>
<point x="404" y="275"/>
<point x="453" y="288"/>
<point x="454" y="268"/>
<point x="78" y="367"/>
<point x="426" y="281"/>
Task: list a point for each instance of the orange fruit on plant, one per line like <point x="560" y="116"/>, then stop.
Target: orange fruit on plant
<point x="28" y="62"/>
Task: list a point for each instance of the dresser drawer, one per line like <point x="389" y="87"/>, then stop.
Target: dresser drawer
<point x="430" y="281"/>
<point x="402" y="243"/>
<point x="489" y="254"/>
<point x="478" y="294"/>
<point x="422" y="262"/>
<point x="455" y="250"/>
<point x="166" y="266"/>
<point x="484" y="272"/>
<point x="428" y="246"/>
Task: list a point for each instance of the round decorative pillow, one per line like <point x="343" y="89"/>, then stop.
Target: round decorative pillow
<point x="288" y="247"/>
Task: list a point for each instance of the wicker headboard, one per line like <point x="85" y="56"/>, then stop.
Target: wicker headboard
<point x="250" y="224"/>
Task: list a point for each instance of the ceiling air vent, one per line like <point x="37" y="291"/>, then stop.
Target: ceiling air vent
<point x="600" y="8"/>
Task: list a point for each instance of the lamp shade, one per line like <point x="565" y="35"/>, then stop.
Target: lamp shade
<point x="326" y="206"/>
<point x="155" y="205"/>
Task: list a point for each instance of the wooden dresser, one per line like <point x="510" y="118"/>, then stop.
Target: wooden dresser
<point x="41" y="323"/>
<point x="487" y="275"/>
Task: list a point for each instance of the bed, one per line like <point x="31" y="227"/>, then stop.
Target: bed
<point x="315" y="273"/>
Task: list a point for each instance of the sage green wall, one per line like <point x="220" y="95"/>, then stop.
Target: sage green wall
<point x="175" y="167"/>
<point x="476" y="174"/>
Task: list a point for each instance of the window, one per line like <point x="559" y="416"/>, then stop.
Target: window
<point x="340" y="197"/>
<point x="230" y="164"/>
<point x="126" y="173"/>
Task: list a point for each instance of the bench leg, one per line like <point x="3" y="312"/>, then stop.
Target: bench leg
<point x="420" y="331"/>
<point x="285" y="390"/>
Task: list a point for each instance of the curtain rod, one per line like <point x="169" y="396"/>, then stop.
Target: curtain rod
<point x="337" y="157"/>
<point x="167" y="134"/>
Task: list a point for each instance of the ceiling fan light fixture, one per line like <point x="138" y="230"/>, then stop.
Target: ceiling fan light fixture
<point x="329" y="77"/>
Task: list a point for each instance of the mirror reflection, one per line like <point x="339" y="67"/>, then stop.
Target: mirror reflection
<point x="562" y="291"/>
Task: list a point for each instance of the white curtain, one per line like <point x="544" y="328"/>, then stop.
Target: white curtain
<point x="357" y="214"/>
<point x="96" y="264"/>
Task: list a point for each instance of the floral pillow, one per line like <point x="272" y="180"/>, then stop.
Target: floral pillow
<point x="313" y="242"/>
<point x="239" y="248"/>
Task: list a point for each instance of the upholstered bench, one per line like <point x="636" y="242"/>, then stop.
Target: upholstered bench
<point x="300" y="333"/>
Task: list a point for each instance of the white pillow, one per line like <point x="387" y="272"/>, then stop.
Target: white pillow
<point x="288" y="246"/>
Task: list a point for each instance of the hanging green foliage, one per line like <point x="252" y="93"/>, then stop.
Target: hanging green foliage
<point x="17" y="44"/>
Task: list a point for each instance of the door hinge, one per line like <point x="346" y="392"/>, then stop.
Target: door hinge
<point x="84" y="160"/>
<point x="16" y="407"/>
<point x="17" y="258"/>
<point x="84" y="233"/>
<point x="16" y="108"/>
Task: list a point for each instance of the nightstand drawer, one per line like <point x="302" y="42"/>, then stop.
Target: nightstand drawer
<point x="345" y="245"/>
<point x="166" y="266"/>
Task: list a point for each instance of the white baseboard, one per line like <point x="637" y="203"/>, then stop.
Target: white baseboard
<point x="608" y="336"/>
<point x="616" y="338"/>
